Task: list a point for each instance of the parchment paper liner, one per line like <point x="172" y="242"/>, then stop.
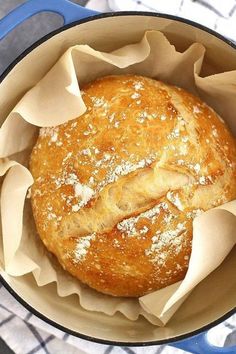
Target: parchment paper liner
<point x="55" y="100"/>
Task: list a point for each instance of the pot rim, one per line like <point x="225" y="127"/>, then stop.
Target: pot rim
<point x="5" y="283"/>
<point x="113" y="342"/>
<point x="63" y="28"/>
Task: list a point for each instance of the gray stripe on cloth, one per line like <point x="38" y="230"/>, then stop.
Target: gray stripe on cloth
<point x="4" y="349"/>
<point x="128" y="350"/>
<point x="28" y="316"/>
<point x="160" y="349"/>
<point x="40" y="346"/>
<point x="209" y="7"/>
<point x="8" y="319"/>
<point x="65" y="336"/>
<point x="147" y="6"/>
<point x="6" y="309"/>
<point x="181" y="5"/>
<point x="108" y="350"/>
<point x="42" y="342"/>
<point x="230" y="339"/>
<point x="232" y="10"/>
<point x="229" y="325"/>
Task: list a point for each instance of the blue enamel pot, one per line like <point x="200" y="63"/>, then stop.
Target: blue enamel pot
<point x="188" y="328"/>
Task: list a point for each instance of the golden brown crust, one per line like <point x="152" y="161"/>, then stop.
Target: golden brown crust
<point x="116" y="189"/>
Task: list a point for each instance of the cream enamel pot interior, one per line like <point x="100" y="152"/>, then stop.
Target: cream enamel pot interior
<point x="107" y="32"/>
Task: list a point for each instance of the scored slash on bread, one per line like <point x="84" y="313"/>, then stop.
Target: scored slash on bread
<point x="117" y="188"/>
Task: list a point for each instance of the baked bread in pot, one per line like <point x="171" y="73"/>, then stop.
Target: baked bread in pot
<point x="116" y="190"/>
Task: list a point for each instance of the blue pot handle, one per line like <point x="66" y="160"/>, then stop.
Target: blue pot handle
<point x="69" y="11"/>
<point x="199" y="344"/>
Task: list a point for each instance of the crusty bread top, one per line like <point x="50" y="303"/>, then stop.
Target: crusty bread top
<point x="116" y="189"/>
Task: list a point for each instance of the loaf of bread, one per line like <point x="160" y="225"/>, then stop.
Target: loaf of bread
<point x="116" y="190"/>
